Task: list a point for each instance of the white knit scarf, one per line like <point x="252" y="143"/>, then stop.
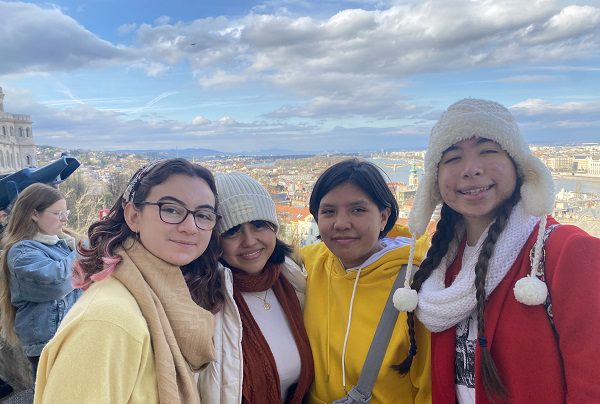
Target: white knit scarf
<point x="443" y="307"/>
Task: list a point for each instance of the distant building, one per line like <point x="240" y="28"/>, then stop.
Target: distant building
<point x="297" y="225"/>
<point x="401" y="192"/>
<point x="593" y="167"/>
<point x="580" y="164"/>
<point x="413" y="178"/>
<point x="560" y="164"/>
<point x="17" y="150"/>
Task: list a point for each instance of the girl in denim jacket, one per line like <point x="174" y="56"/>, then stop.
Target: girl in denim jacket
<point x="35" y="276"/>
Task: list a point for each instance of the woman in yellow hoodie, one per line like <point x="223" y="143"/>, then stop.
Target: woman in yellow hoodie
<point x="350" y="275"/>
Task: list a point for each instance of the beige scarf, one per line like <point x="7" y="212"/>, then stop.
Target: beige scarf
<point x="180" y="330"/>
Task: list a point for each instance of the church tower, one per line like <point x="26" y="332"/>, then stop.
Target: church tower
<point x="1" y="100"/>
<point x="413" y="177"/>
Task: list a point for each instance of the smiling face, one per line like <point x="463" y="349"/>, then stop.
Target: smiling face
<point x="350" y="224"/>
<point x="52" y="219"/>
<point x="475" y="177"/>
<point x="249" y="246"/>
<point x="177" y="244"/>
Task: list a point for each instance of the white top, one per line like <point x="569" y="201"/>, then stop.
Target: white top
<point x="466" y="338"/>
<point x="276" y="330"/>
<point x="221" y="380"/>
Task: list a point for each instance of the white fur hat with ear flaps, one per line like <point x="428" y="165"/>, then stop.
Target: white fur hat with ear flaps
<point x="469" y="118"/>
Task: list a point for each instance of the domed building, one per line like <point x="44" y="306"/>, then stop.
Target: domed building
<point x="17" y="149"/>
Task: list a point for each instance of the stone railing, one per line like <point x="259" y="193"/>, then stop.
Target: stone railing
<point x="21" y="117"/>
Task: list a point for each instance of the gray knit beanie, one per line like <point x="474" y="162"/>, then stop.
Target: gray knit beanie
<point x="242" y="199"/>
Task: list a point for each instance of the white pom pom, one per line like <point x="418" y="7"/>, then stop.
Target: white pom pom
<point x="530" y="291"/>
<point x="405" y="299"/>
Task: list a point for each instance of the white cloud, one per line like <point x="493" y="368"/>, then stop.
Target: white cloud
<point x="530" y="78"/>
<point x="565" y="122"/>
<point x="226" y="121"/>
<point x="200" y="120"/>
<point x="221" y="78"/>
<point x="572" y="22"/>
<point x="535" y="106"/>
<point x="163" y="19"/>
<point x="325" y="75"/>
<point x="36" y="39"/>
<point x="126" y="28"/>
<point x="81" y="125"/>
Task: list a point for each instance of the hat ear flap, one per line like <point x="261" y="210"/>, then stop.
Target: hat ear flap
<point x="537" y="191"/>
<point x="426" y="200"/>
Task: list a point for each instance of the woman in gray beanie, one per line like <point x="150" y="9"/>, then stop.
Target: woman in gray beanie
<point x="509" y="295"/>
<point x="263" y="354"/>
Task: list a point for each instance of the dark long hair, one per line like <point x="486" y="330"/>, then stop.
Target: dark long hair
<point x="107" y="235"/>
<point x="363" y="174"/>
<point x="443" y="236"/>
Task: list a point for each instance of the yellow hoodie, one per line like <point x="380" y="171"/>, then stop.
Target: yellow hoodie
<point x="328" y="298"/>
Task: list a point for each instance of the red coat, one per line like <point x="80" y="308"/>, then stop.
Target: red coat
<point x="535" y="365"/>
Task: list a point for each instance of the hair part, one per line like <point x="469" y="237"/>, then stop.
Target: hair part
<point x="36" y="197"/>
<point x="109" y="234"/>
<point x="362" y="174"/>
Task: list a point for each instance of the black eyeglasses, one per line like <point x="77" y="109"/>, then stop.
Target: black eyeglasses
<point x="173" y="213"/>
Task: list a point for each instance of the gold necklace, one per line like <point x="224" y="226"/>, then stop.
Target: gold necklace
<point x="266" y="305"/>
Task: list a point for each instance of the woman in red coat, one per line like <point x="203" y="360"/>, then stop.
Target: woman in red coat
<point x="511" y="297"/>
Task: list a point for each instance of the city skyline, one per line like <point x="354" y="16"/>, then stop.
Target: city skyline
<point x="246" y="76"/>
<point x="290" y="179"/>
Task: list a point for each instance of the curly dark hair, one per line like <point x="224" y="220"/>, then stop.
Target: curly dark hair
<point x="107" y="235"/>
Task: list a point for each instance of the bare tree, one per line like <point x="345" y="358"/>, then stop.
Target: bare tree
<point x="84" y="202"/>
<point x="117" y="183"/>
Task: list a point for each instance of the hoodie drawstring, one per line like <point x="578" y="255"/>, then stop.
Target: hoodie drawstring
<point x="348" y="330"/>
<point x="328" y="326"/>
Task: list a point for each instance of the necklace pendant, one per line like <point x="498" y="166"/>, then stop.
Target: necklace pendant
<point x="267" y="306"/>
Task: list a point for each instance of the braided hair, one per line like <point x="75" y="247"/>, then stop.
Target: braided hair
<point x="440" y="242"/>
<point x="444" y="233"/>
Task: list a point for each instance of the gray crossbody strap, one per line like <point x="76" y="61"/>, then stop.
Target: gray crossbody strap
<point x="361" y="393"/>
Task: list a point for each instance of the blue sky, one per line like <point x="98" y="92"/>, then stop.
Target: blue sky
<point x="307" y="76"/>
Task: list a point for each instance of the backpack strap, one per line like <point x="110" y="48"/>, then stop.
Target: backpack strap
<point x="361" y="393"/>
<point x="541" y="273"/>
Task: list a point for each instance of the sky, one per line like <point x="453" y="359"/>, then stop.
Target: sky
<point x="303" y="76"/>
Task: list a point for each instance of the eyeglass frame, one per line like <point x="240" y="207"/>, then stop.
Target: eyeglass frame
<point x="60" y="214"/>
<point x="187" y="213"/>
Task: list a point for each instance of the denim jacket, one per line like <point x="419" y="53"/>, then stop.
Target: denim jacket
<point x="40" y="288"/>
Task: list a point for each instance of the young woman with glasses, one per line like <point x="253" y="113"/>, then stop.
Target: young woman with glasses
<point x="262" y="350"/>
<point x="143" y="325"/>
<point x="35" y="280"/>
